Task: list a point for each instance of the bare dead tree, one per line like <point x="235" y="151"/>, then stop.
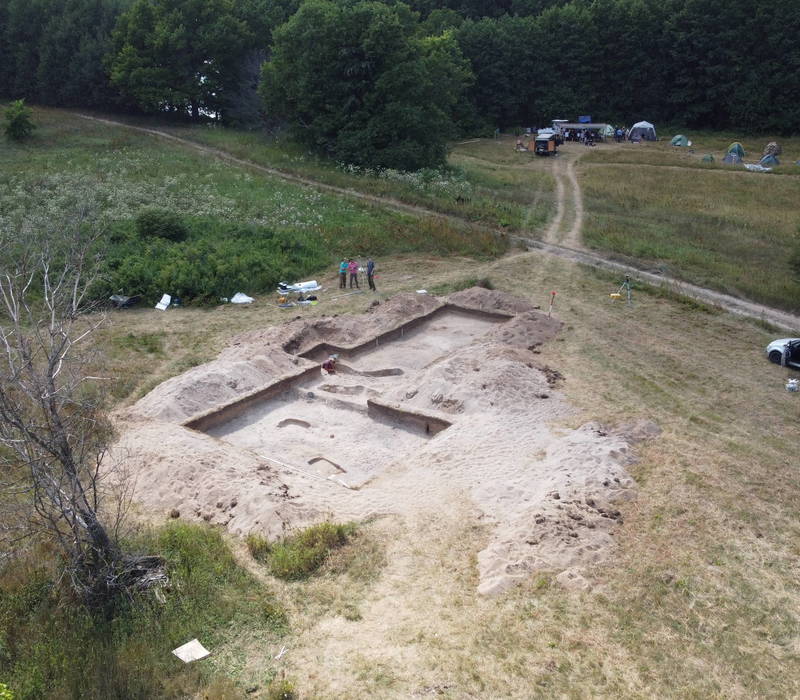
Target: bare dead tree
<point x="53" y="432"/>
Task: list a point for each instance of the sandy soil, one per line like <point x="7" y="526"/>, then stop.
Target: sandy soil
<point x="321" y="449"/>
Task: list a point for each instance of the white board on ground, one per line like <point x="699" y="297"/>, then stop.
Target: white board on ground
<point x="191" y="651"/>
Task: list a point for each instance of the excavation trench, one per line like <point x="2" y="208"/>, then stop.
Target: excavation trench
<point x="337" y="425"/>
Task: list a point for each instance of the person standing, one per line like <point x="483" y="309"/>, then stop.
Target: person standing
<point x="353" y="267"/>
<point x="371" y="274"/>
<point x="343" y="274"/>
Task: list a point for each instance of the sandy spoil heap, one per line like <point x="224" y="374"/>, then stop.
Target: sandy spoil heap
<point x="437" y="398"/>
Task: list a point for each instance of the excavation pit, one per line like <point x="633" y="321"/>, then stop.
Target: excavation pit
<point x="341" y="416"/>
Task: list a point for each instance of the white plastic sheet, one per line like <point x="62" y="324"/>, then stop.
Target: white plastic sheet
<point x="163" y="305"/>
<point x="191" y="651"/>
<point x="240" y="298"/>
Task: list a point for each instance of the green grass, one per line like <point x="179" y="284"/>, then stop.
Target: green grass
<point x="492" y="202"/>
<point x="52" y="647"/>
<point x="300" y="555"/>
<point x="123" y="172"/>
<point x="703" y="142"/>
<point x="728" y="232"/>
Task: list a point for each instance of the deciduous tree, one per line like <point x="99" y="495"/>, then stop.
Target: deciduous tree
<point x="179" y="55"/>
<point x="353" y="81"/>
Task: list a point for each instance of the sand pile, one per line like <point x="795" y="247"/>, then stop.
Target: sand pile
<point x="466" y="409"/>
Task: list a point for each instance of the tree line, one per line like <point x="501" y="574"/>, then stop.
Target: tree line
<point x="385" y="83"/>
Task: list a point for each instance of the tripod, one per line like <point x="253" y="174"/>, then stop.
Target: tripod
<point x="626" y="285"/>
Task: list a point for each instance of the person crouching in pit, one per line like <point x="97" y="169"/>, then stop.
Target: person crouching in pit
<point x="329" y="366"/>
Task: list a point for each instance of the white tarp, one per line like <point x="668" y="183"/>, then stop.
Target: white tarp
<point x="240" y="298"/>
<point x="302" y="287"/>
<point x="191" y="651"/>
<point x="163" y="305"/>
<point x="754" y="167"/>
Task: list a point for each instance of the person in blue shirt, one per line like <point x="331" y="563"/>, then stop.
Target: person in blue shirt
<point x="371" y="274"/>
<point x="343" y="274"/>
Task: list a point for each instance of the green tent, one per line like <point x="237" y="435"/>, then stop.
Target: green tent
<point x="708" y="158"/>
<point x="680" y="140"/>
<point x="736" y="148"/>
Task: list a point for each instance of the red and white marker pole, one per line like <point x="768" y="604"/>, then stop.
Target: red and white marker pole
<point x="552" y="301"/>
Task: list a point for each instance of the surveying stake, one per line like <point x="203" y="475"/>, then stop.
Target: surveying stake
<point x="552" y="301"/>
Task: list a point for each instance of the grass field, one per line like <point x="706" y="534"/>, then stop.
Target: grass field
<point x="702" y="598"/>
<point x="123" y="171"/>
<point x="490" y="196"/>
<point x="733" y="231"/>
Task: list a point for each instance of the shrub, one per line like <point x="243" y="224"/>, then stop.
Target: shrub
<point x="299" y="556"/>
<point x="281" y="689"/>
<point x="160" y="223"/>
<point x="258" y="546"/>
<point x="217" y="259"/>
<point x="18" y="124"/>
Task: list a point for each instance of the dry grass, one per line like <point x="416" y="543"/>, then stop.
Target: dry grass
<point x="702" y="600"/>
<point x="729" y="231"/>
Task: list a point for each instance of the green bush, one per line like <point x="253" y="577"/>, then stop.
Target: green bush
<point x="160" y="223"/>
<point x="18" y="123"/>
<point x="216" y="259"/>
<point x="299" y="556"/>
<point x="258" y="546"/>
<point x="281" y="689"/>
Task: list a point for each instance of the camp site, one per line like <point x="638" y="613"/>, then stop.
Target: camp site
<point x="373" y="350"/>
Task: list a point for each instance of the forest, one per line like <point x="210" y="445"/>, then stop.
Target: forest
<point x="387" y="83"/>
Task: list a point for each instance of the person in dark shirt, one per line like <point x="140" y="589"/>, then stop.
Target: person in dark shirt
<point x="371" y="274"/>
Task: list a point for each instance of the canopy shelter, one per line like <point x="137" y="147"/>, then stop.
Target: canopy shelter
<point x="736" y="148"/>
<point x="643" y="131"/>
<point x="601" y="129"/>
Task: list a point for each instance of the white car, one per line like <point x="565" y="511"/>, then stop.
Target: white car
<point x="785" y="351"/>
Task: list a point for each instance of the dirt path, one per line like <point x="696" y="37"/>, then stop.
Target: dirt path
<point x="565" y="248"/>
<point x="568" y="193"/>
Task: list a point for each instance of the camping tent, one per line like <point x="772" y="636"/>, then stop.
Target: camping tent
<point x="736" y="148"/>
<point x="708" y="158"/>
<point x="680" y="140"/>
<point x="642" y="130"/>
<point x="607" y="132"/>
<point x="732" y="159"/>
<point x="769" y="161"/>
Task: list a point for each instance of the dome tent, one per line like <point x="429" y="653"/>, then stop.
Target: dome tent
<point x="732" y="159"/>
<point x="708" y="158"/>
<point x="769" y="161"/>
<point x="642" y="130"/>
<point x="680" y="140"/>
<point x="736" y="148"/>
